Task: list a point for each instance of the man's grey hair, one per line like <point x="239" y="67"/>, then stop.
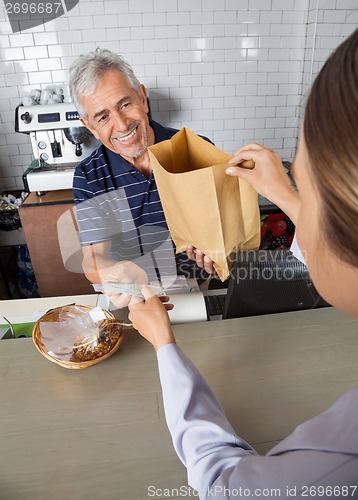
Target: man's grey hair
<point x="88" y="69"/>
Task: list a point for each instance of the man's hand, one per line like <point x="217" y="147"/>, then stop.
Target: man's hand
<point x="151" y="319"/>
<point x="122" y="272"/>
<point x="201" y="260"/>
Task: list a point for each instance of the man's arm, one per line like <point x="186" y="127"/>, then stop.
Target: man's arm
<point x="96" y="258"/>
<point x="98" y="267"/>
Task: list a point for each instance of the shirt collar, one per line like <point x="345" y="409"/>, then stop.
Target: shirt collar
<point x="160" y="134"/>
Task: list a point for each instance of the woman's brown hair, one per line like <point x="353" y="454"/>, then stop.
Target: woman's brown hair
<point x="331" y="135"/>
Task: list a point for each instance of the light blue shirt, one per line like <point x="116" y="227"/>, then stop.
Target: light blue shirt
<point x="320" y="454"/>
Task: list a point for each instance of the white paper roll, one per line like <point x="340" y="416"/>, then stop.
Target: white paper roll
<point x="188" y="307"/>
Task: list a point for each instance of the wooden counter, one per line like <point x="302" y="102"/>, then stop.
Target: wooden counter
<point x="50" y="198"/>
<point x="100" y="433"/>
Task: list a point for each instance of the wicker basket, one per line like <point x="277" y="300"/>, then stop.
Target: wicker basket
<point x="53" y="315"/>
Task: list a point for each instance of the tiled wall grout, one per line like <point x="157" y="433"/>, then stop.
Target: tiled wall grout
<point x="233" y="70"/>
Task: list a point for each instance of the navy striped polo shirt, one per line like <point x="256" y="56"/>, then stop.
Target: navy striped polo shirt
<point x="116" y="202"/>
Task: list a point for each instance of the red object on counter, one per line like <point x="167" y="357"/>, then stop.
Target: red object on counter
<point x="277" y="231"/>
<point x="279" y="228"/>
<point x="276" y="217"/>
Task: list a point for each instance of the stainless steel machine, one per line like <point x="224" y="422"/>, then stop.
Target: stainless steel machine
<point x="59" y="142"/>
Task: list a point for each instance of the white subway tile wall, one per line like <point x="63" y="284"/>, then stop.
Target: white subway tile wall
<point x="233" y="70"/>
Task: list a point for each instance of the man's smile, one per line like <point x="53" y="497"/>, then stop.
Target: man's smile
<point x="127" y="138"/>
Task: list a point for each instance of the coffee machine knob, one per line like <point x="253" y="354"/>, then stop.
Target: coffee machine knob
<point x="44" y="156"/>
<point x="26" y="118"/>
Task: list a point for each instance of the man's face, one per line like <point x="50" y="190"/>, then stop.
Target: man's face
<point x="117" y="115"/>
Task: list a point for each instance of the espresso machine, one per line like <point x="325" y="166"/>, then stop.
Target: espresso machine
<point x="59" y="142"/>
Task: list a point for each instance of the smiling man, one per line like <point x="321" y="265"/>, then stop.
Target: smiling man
<point x="117" y="116"/>
<point x="119" y="212"/>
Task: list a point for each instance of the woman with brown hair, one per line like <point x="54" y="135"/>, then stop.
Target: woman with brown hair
<point x="322" y="452"/>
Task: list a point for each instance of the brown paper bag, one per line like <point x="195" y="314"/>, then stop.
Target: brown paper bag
<point x="204" y="206"/>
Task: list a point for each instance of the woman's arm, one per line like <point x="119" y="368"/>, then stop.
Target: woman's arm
<point x="268" y="178"/>
<point x="320" y="453"/>
<point x="202" y="436"/>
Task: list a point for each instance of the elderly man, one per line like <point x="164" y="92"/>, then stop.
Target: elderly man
<point x="118" y="207"/>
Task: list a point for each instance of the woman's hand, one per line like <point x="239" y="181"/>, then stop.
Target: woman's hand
<point x="268" y="177"/>
<point x="150" y="318"/>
